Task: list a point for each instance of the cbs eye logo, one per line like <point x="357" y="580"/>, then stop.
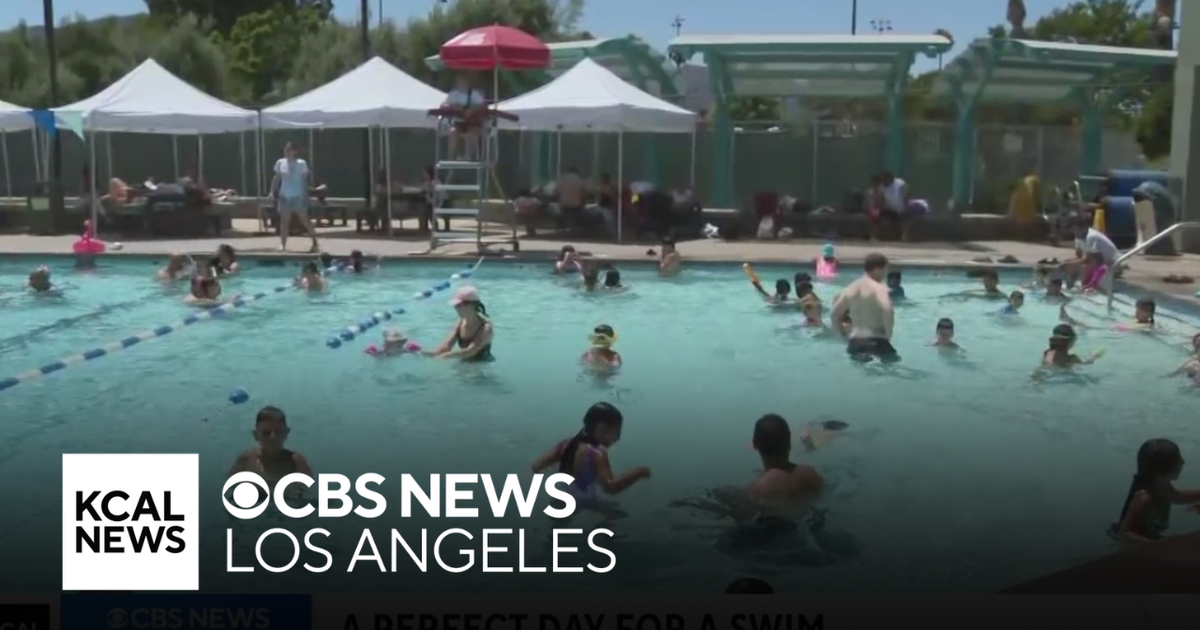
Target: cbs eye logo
<point x="246" y="495"/>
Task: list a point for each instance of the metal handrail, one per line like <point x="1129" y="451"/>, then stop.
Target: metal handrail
<point x="1109" y="278"/>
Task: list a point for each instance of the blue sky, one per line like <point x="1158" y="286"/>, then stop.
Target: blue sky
<point x="651" y="20"/>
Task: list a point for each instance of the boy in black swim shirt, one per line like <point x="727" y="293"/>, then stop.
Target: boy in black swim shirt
<point x="270" y="459"/>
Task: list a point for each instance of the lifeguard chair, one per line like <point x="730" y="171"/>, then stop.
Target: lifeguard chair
<point x="467" y="188"/>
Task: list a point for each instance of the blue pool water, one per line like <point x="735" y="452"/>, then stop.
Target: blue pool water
<point x="955" y="475"/>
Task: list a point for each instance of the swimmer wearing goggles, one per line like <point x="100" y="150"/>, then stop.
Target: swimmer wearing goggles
<point x="601" y="354"/>
<point x="944" y="335"/>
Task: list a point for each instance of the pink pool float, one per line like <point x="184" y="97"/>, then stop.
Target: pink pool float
<point x="87" y="243"/>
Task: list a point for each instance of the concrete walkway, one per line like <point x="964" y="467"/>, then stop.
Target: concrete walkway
<point x="1146" y="273"/>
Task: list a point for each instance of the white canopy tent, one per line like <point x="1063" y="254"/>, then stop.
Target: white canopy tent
<point x="149" y="99"/>
<point x="589" y="97"/>
<point x="13" y="118"/>
<point x="152" y="100"/>
<point x="375" y="94"/>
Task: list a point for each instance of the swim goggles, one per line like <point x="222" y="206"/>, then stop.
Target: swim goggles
<point x="601" y="339"/>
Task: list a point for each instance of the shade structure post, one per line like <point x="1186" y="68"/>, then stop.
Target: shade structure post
<point x="37" y="155"/>
<point x="108" y="156"/>
<point x="312" y="151"/>
<point x="595" y="152"/>
<point x="692" y="167"/>
<point x="90" y="193"/>
<point x="387" y="164"/>
<point x="242" y="161"/>
<point x="620" y="186"/>
<point x="7" y="167"/>
<point x="175" y="153"/>
<point x="816" y="135"/>
<point x="199" y="159"/>
<point x="558" y="153"/>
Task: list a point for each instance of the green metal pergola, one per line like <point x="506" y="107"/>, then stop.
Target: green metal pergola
<point x="845" y="66"/>
<point x="1034" y="72"/>
<point x="628" y="57"/>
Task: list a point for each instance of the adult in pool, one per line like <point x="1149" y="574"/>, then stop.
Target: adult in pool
<point x="585" y="457"/>
<point x="869" y="307"/>
<point x="269" y="458"/>
<point x="471" y="338"/>
<point x="784" y="487"/>
<point x="1146" y="513"/>
<point x="989" y="289"/>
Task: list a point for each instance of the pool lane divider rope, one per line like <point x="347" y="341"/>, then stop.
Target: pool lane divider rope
<point x="373" y="320"/>
<point x="133" y="340"/>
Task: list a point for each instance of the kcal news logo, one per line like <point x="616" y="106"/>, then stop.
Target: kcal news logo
<point x="131" y="522"/>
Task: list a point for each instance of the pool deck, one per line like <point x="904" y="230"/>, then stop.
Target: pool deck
<point x="1145" y="274"/>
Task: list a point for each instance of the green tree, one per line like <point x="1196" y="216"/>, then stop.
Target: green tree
<point x="755" y="109"/>
<point x="261" y="46"/>
<point x="223" y="14"/>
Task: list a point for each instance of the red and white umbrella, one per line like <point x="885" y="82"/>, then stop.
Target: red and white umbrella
<point x="494" y="47"/>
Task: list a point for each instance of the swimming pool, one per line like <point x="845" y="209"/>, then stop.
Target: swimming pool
<point x="955" y="475"/>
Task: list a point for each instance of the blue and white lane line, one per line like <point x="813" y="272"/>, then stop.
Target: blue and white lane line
<point x="375" y="319"/>
<point x="133" y="340"/>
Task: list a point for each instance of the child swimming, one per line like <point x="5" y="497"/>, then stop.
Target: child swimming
<point x="669" y="260"/>
<point x="1059" y="355"/>
<point x="1054" y="291"/>
<point x="567" y="261"/>
<point x="269" y="458"/>
<point x="810" y="310"/>
<point x="310" y="278"/>
<point x="39" y="281"/>
<point x="612" y="281"/>
<point x="1191" y="367"/>
<point x="589" y="278"/>
<point x="1016" y="300"/>
<point x="585" y="457"/>
<point x="601" y="354"/>
<point x="394" y="343"/>
<point x="895" y="290"/>
<point x="1146" y="513"/>
<point x="205" y="291"/>
<point x="1143" y="312"/>
<point x="944" y="335"/>
<point x="225" y="262"/>
<point x="782" y="295"/>
<point x="176" y="268"/>
<point x="990" y="288"/>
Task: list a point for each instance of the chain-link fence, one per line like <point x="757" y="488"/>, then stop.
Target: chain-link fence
<point x="818" y="163"/>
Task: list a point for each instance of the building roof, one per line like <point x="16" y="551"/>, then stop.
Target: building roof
<point x="1028" y="71"/>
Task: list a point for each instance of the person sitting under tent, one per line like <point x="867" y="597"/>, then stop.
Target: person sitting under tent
<point x="467" y="101"/>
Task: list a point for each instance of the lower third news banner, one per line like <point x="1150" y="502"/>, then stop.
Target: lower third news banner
<point x="736" y="612"/>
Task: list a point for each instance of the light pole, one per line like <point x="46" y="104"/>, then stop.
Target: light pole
<point x="55" y="187"/>
<point x="365" y="35"/>
<point x="677" y="24"/>
<point x="854" y="17"/>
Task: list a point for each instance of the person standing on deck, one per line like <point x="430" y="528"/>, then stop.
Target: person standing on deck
<point x="291" y="186"/>
<point x="869" y="306"/>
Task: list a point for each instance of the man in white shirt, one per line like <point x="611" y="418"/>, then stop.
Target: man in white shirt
<point x="1089" y="240"/>
<point x="894" y="201"/>
<point x="291" y="186"/>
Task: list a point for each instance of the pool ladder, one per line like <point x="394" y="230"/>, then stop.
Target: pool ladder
<point x="464" y="188"/>
<point x="1109" y="278"/>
